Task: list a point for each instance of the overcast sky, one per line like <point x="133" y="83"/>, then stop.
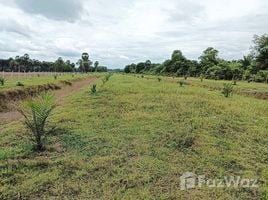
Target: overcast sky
<point x="120" y="32"/>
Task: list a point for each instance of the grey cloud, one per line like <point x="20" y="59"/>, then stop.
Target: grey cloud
<point x="63" y="10"/>
<point x="185" y="11"/>
<point x="5" y="47"/>
<point x="68" y="53"/>
<point x="14" y="27"/>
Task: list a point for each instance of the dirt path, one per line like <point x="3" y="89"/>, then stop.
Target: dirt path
<point x="11" y="116"/>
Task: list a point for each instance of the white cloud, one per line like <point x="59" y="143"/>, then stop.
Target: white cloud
<point x="119" y="32"/>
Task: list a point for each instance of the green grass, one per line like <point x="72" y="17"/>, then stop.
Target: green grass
<point x="10" y="82"/>
<point x="241" y="85"/>
<point x="134" y="138"/>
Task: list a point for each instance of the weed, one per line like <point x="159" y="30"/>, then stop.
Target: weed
<point x="20" y="84"/>
<point x="183" y="142"/>
<point x="55" y="77"/>
<point x="159" y="79"/>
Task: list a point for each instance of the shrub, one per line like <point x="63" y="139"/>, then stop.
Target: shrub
<point x="227" y="89"/>
<point x="55" y="77"/>
<point x="20" y="84"/>
<point x="183" y="142"/>
<point x="142" y="76"/>
<point x="181" y="83"/>
<point x="159" y="79"/>
<point x="234" y="82"/>
<point x="201" y="77"/>
<point x="36" y="113"/>
<point x="93" y="89"/>
<point x="2" y="81"/>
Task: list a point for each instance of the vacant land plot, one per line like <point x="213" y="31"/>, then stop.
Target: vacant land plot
<point x="134" y="139"/>
<point x="33" y="79"/>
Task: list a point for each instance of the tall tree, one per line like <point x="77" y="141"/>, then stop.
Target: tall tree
<point x="86" y="63"/>
<point x="96" y="65"/>
<point x="260" y="51"/>
<point x="209" y="58"/>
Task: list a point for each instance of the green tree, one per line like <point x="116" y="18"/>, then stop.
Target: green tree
<point x="260" y="52"/>
<point x="209" y="58"/>
<point x="86" y="64"/>
<point x="96" y="65"/>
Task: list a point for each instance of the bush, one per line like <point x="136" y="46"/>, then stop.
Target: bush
<point x="20" y="84"/>
<point x="227" y="89"/>
<point x="201" y="77"/>
<point x="234" y="82"/>
<point x="261" y="76"/>
<point x="93" y="89"/>
<point x="2" y="81"/>
<point x="181" y="83"/>
<point x="159" y="79"/>
<point x="55" y="77"/>
<point x="36" y="113"/>
<point x="183" y="142"/>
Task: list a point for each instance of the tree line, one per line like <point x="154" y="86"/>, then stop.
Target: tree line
<point x="252" y="67"/>
<point x="26" y="64"/>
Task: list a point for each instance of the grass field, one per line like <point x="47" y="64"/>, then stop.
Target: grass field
<point x="33" y="80"/>
<point x="135" y="138"/>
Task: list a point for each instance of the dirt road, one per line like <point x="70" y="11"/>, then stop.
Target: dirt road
<point x="11" y="116"/>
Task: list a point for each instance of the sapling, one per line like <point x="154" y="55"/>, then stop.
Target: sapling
<point x="2" y="81"/>
<point x="93" y="89"/>
<point x="36" y="113"/>
<point x="227" y="89"/>
<point x="181" y="83"/>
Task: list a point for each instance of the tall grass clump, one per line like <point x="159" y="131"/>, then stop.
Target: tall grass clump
<point x="234" y="82"/>
<point x="36" y="113"/>
<point x="227" y="89"/>
<point x="20" y="84"/>
<point x="201" y="77"/>
<point x="2" y="81"/>
<point x="93" y="89"/>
